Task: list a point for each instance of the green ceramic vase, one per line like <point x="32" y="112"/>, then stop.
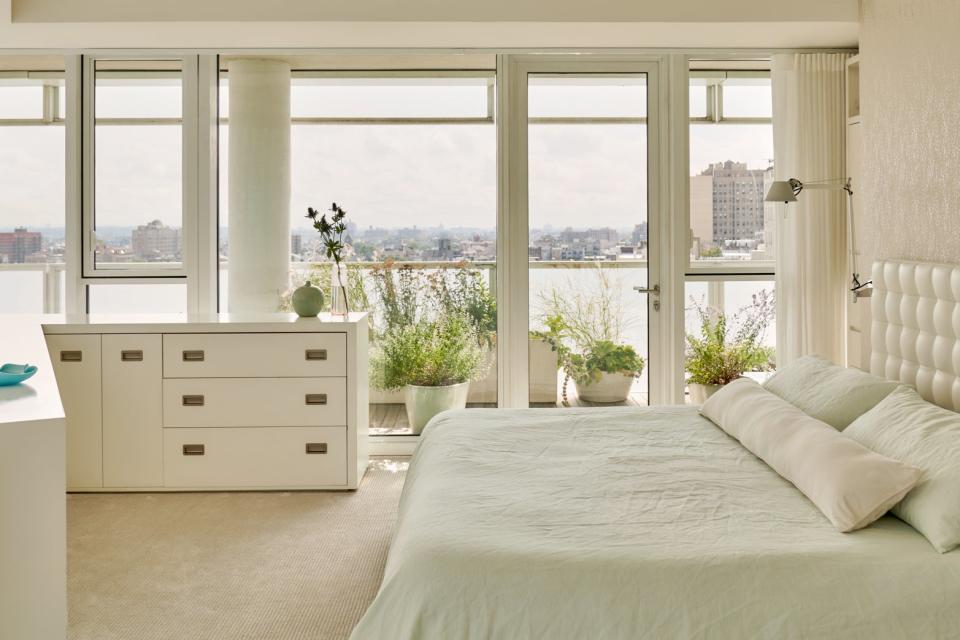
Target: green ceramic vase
<point x="307" y="300"/>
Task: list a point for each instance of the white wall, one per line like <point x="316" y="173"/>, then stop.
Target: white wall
<point x="908" y="202"/>
<point x="366" y="23"/>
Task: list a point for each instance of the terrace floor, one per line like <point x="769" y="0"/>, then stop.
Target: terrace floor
<point x="391" y="419"/>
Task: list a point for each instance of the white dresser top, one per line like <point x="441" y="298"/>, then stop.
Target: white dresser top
<point x="22" y="342"/>
<point x="197" y="323"/>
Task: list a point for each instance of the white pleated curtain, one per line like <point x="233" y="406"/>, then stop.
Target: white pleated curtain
<point x="808" y="134"/>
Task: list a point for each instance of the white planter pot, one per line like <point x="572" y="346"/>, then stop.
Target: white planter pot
<point x="425" y="402"/>
<point x="543" y="379"/>
<point x="611" y="387"/>
<point x="700" y="392"/>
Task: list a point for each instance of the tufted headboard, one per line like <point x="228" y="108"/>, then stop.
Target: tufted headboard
<point x="915" y="334"/>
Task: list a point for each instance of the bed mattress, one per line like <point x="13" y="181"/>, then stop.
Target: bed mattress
<point x="636" y="523"/>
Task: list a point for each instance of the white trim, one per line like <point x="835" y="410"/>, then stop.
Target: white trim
<point x="512" y="282"/>
<point x="190" y="178"/>
<point x="75" y="292"/>
<point x="206" y="284"/>
<point x="188" y="74"/>
<point x="674" y="184"/>
<point x="393" y="445"/>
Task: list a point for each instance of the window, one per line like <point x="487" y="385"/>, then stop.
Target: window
<point x="137" y="151"/>
<point x="411" y="157"/>
<point x="731" y="165"/>
<point x="32" y="206"/>
<point x="731" y="228"/>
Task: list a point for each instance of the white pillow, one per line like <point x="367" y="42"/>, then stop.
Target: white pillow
<point x="907" y="427"/>
<point x="828" y="392"/>
<point x="850" y="484"/>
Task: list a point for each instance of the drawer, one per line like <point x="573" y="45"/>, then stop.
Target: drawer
<point x="252" y="458"/>
<point x="255" y="402"/>
<point x="254" y="355"/>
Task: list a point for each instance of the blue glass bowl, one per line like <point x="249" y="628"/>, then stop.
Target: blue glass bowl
<point x="15" y="373"/>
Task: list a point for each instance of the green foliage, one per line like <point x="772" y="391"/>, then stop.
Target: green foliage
<point x="405" y="295"/>
<point x="430" y="353"/>
<point x="603" y="356"/>
<point x="712" y="252"/>
<point x="460" y="290"/>
<point x="727" y="347"/>
<point x="586" y="331"/>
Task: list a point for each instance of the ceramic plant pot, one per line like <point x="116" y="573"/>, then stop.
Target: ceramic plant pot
<point x="611" y="387"/>
<point x="425" y="402"/>
<point x="700" y="392"/>
<point x="307" y="300"/>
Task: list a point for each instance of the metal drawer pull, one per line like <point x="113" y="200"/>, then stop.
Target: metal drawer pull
<point x="193" y="450"/>
<point x="316" y="447"/>
<point x="193" y="356"/>
<point x="133" y="355"/>
<point x="193" y="401"/>
<point x="71" y="356"/>
<point x="316" y="398"/>
<point x="316" y="354"/>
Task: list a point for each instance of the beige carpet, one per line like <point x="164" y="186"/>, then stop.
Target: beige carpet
<point x="224" y="566"/>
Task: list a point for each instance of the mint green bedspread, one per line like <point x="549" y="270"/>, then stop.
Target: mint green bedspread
<point x="636" y="523"/>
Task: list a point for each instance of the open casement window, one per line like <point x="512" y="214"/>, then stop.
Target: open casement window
<point x="139" y="199"/>
<point x="731" y="166"/>
<point x="32" y="174"/>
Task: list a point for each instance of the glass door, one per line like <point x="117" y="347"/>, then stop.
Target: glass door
<point x="593" y="297"/>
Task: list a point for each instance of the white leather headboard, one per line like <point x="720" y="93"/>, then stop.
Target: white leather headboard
<point x="915" y="334"/>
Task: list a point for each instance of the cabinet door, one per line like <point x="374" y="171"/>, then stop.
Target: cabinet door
<point x="76" y="364"/>
<point x="132" y="405"/>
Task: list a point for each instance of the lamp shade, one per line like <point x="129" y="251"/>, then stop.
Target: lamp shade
<point x="781" y="191"/>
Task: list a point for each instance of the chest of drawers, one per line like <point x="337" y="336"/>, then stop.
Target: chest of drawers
<point x="273" y="404"/>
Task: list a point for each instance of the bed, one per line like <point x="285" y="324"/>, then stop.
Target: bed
<point x="641" y="523"/>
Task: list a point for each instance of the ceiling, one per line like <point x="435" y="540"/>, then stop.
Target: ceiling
<point x="434" y="11"/>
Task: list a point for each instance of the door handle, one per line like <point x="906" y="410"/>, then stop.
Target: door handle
<point x="316" y="398"/>
<point x="131" y="355"/>
<point x="316" y="447"/>
<point x="193" y="355"/>
<point x="315" y="354"/>
<point x="194" y="450"/>
<point x="653" y="291"/>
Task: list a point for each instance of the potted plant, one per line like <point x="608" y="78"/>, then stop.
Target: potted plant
<point x="432" y="361"/>
<point x="586" y="332"/>
<point x="727" y="347"/>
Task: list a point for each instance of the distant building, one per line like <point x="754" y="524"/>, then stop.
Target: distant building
<point x="640" y="234"/>
<point x="737" y="202"/>
<point x="156" y="241"/>
<point x="296" y="243"/>
<point x="21" y="246"/>
<point x="701" y="212"/>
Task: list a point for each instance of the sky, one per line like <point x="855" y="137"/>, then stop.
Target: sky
<point x="384" y="175"/>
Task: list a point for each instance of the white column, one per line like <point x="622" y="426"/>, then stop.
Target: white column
<point x="259" y="150"/>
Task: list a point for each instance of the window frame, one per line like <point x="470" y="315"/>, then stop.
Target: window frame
<point x="189" y="74"/>
<point x="715" y="74"/>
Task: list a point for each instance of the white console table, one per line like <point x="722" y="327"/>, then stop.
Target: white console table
<point x="33" y="539"/>
<point x="221" y="402"/>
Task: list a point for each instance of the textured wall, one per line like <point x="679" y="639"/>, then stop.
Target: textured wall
<point x="909" y="203"/>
